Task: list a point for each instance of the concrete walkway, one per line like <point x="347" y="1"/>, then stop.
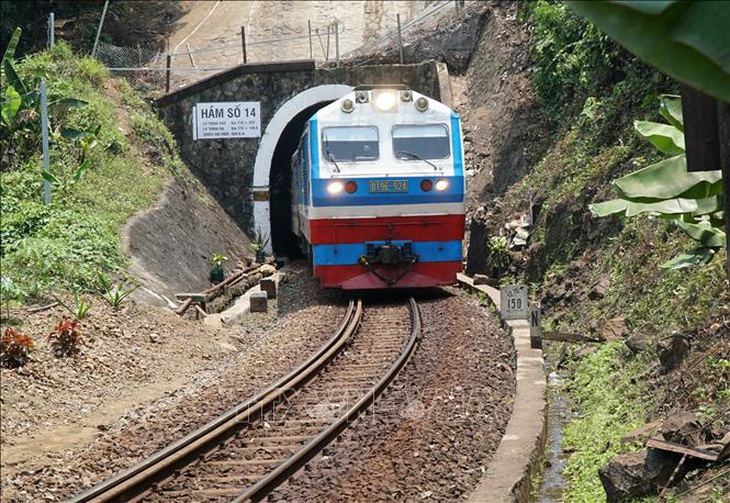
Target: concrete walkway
<point x="517" y="460"/>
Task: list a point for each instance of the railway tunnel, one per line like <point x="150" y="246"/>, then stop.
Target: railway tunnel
<point x="249" y="176"/>
<point x="283" y="241"/>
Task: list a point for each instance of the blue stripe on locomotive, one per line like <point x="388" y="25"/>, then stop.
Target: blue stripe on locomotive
<point x="348" y="254"/>
<point x="456" y="145"/>
<point x="314" y="143"/>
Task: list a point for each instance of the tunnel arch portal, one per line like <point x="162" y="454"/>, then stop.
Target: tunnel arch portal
<point x="290" y="115"/>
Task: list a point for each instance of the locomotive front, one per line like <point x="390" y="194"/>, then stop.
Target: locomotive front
<point x="378" y="195"/>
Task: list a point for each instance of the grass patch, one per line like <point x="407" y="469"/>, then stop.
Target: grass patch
<point x="62" y="246"/>
<point x="609" y="397"/>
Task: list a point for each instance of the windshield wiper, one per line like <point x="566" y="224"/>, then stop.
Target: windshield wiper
<point x="331" y="158"/>
<point x="414" y="156"/>
<point x="329" y="155"/>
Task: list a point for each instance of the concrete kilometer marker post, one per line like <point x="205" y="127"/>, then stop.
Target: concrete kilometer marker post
<point x="513" y="302"/>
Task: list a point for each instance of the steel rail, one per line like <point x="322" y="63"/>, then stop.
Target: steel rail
<point x="136" y="479"/>
<point x="270" y="482"/>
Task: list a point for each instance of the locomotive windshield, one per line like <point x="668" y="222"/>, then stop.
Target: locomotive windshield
<point x="430" y="141"/>
<point x="351" y="143"/>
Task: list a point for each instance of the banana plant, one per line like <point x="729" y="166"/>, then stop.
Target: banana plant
<point x="84" y="140"/>
<point x="66" y="184"/>
<point x="20" y="99"/>
<point x="693" y="200"/>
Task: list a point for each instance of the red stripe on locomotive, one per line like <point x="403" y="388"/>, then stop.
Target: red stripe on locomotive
<point x="358" y="230"/>
<point x="357" y="277"/>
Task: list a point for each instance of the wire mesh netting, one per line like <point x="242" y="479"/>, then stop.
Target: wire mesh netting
<point x="446" y="30"/>
<point x="143" y="67"/>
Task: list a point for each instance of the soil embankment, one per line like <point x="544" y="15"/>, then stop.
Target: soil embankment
<point x="170" y="246"/>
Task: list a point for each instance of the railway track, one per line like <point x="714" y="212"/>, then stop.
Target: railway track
<point x="246" y="453"/>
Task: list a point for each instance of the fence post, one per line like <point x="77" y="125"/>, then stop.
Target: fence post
<point x="51" y="30"/>
<point x="400" y="40"/>
<point x="723" y="117"/>
<point x="98" y="31"/>
<point x="243" y="43"/>
<point x="167" y="72"/>
<point x="311" y="48"/>
<point x="337" y="44"/>
<point x="190" y="55"/>
<point x="327" y="55"/>
<point x="44" y="140"/>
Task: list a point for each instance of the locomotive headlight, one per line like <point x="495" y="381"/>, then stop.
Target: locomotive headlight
<point x="385" y="101"/>
<point x="441" y="185"/>
<point x="335" y="187"/>
<point x="347" y="106"/>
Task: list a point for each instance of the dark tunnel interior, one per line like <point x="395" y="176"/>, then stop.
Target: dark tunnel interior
<point x="283" y="241"/>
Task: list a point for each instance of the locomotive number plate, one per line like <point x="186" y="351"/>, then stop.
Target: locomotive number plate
<point x="385" y="186"/>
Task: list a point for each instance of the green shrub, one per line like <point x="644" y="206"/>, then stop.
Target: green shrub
<point x="114" y="293"/>
<point x="575" y="64"/>
<point x="98" y="181"/>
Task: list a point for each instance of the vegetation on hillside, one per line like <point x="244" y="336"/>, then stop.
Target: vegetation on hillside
<point x="593" y="273"/>
<point x="666" y="190"/>
<point x="128" y="23"/>
<point x="109" y="157"/>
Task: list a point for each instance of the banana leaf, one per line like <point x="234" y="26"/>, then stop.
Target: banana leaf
<point x="608" y="207"/>
<point x="697" y="256"/>
<point x="11" y="105"/>
<point x="686" y="40"/>
<point x="12" y="45"/>
<point x="64" y="104"/>
<point x="708" y="205"/>
<point x="13" y="78"/>
<point x="670" y="106"/>
<point x="669" y="209"/>
<point x="81" y="171"/>
<point x="704" y="232"/>
<point x="50" y="177"/>
<point x="674" y="206"/>
<point x="668" y="179"/>
<point x="78" y="134"/>
<point x="668" y="139"/>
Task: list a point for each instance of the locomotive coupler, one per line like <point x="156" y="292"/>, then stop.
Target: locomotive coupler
<point x="389" y="254"/>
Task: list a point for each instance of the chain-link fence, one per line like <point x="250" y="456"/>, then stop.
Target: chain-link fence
<point x="443" y="30"/>
<point x="144" y="67"/>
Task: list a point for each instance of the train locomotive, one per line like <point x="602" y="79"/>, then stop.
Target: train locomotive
<point x="378" y="191"/>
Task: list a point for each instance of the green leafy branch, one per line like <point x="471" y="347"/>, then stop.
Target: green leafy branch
<point x="692" y="200"/>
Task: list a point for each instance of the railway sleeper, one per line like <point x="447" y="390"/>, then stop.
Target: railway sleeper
<point x="275" y="440"/>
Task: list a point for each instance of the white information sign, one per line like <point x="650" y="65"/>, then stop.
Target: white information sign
<point x="227" y="119"/>
<point x="513" y="302"/>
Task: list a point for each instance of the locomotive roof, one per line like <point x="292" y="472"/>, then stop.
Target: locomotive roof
<point x="333" y="112"/>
